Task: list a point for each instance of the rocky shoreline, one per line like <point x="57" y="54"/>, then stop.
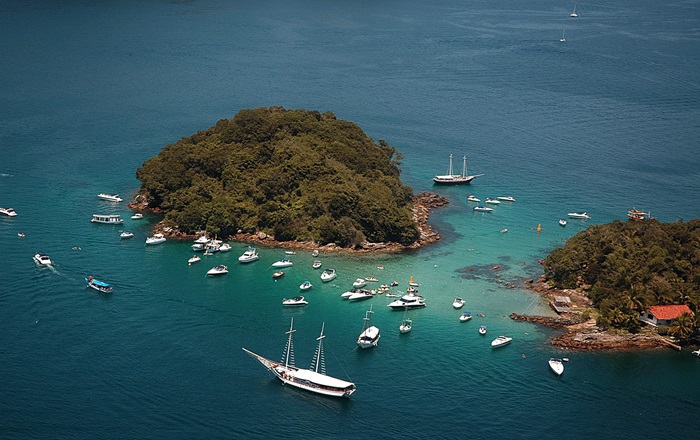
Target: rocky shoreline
<point x="423" y="203"/>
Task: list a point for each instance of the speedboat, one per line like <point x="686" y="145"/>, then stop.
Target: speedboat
<point x="406" y="325"/>
<point x="126" y="234"/>
<point x="218" y="270"/>
<point x="110" y="197"/>
<point x="466" y="316"/>
<point x="250" y="255"/>
<point x="316" y="264"/>
<point x="360" y="295"/>
<point x="278" y="274"/>
<point x="137" y="216"/>
<point x="42" y="260"/>
<point x="506" y="198"/>
<point x="482" y="330"/>
<point x="696" y="353"/>
<point x="471" y="198"/>
<point x="482" y="208"/>
<point x="328" y="275"/>
<point x="282" y="263"/>
<point x="501" y="341"/>
<point x="290" y="252"/>
<point x="394" y="283"/>
<point x="306" y="285"/>
<point x="562" y="222"/>
<point x="581" y="215"/>
<point x="407" y="302"/>
<point x="458" y="303"/>
<point x="156" y="239"/>
<point x="412" y="283"/>
<point x="351" y="292"/>
<point x="202" y="239"/>
<point x="296" y="301"/>
<point x="98" y="285"/>
<point x="194" y="259"/>
<point x="8" y="211"/>
<point x="492" y="201"/>
<point x="109" y="219"/>
<point x="359" y="283"/>
<point x="198" y="247"/>
<point x="225" y="247"/>
<point x="369" y="337"/>
<point x="372" y="279"/>
<point x="557" y="365"/>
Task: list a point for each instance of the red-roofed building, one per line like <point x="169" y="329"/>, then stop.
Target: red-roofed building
<point x="664" y="315"/>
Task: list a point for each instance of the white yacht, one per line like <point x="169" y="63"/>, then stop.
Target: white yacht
<point x="492" y="201"/>
<point x="109" y="219"/>
<point x="296" y="301"/>
<point x="250" y="255"/>
<point x="306" y="285"/>
<point x="458" y="303"/>
<point x="110" y="197"/>
<point x="369" y="337"/>
<point x="137" y="216"/>
<point x="501" y="341"/>
<point x="360" y="295"/>
<point x="202" y="239"/>
<point x="466" y="316"/>
<point x="472" y="198"/>
<point x="506" y="198"/>
<point x="42" y="260"/>
<point x="482" y="208"/>
<point x="225" y="247"/>
<point x="8" y="211"/>
<point x="557" y="366"/>
<point x="155" y="239"/>
<point x="316" y="264"/>
<point x="284" y="262"/>
<point x="218" y="270"/>
<point x="328" y="275"/>
<point x="581" y="215"/>
<point x="126" y="235"/>
<point x="194" y="259"/>
<point x="360" y="282"/>
<point x="407" y="302"/>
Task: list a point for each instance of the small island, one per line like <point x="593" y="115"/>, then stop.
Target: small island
<point x="294" y="177"/>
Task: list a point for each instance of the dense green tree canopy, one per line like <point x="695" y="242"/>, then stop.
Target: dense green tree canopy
<point x="300" y="175"/>
<point x="626" y="266"/>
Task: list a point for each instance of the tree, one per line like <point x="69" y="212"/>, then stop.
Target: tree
<point x="683" y="327"/>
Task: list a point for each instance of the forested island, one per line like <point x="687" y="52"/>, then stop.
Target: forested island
<point x="625" y="267"/>
<point x="295" y="175"/>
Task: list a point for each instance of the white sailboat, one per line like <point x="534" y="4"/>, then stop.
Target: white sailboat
<point x="370" y="334"/>
<point x="455" y="179"/>
<point x="406" y="324"/>
<point x="574" y="14"/>
<point x="563" y="38"/>
<point x="314" y="379"/>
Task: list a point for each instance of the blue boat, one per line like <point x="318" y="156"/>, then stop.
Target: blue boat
<point x="98" y="285"/>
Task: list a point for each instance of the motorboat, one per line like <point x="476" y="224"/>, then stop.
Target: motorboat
<point x="225" y="247"/>
<point x="455" y="179"/>
<point x="208" y="252"/>
<point x="313" y="379"/>
<point x="202" y="239"/>
<point x="458" y="303"/>
<point x="360" y="282"/>
<point x="581" y="215"/>
<point x="466" y="316"/>
<point x="218" y="270"/>
<point x="306" y="285"/>
<point x="328" y="275"/>
<point x="314" y="253"/>
<point x="198" y="247"/>
<point x="411" y="289"/>
<point x="372" y="279"/>
<point x="296" y="301"/>
<point x="360" y="295"/>
<point x="557" y="366"/>
<point x="369" y="337"/>
<point x="282" y="263"/>
<point x="412" y="283"/>
<point x="213" y="246"/>
<point x="562" y="222"/>
<point x="194" y="259"/>
<point x="391" y="295"/>
<point x="290" y="252"/>
<point x="42" y="260"/>
<point x="155" y="239"/>
<point x="406" y="325"/>
<point x="351" y="292"/>
<point x="126" y="234"/>
<point x="638" y="216"/>
<point x="110" y="197"/>
<point x="501" y="341"/>
<point x="506" y="198"/>
<point x="492" y="201"/>
<point x="316" y="264"/>
<point x="696" y="353"/>
<point x="471" y="198"/>
<point x="383" y="288"/>
<point x="98" y="285"/>
<point x="8" y="211"/>
<point x="109" y="219"/>
<point x="278" y="274"/>
<point x="407" y="302"/>
<point x="248" y="256"/>
<point x="482" y="330"/>
<point x="394" y="283"/>
<point x="137" y="216"/>
<point x="482" y="208"/>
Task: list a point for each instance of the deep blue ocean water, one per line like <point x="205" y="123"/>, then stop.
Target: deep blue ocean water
<point x="603" y="122"/>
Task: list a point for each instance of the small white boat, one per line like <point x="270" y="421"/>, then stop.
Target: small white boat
<point x="314" y="253"/>
<point x="250" y="255"/>
<point x="306" y="285"/>
<point x="471" y="198"/>
<point x="137" y="216"/>
<point x="369" y="337"/>
<point x="8" y="211"/>
<point x="372" y="279"/>
<point x="557" y="365"/>
<point x="492" y="201"/>
<point x="482" y="208"/>
<point x="412" y="283"/>
<point x="282" y="263"/>
<point x="696" y="353"/>
<point x="482" y="330"/>
<point x="218" y="270"/>
<point x="225" y="247"/>
<point x="360" y="295"/>
<point x="126" y="234"/>
<point x="506" y="198"/>
<point x="202" y="239"/>
<point x="458" y="303"/>
<point x="466" y="316"/>
<point x="562" y="222"/>
<point x="501" y="341"/>
<point x="98" y="285"/>
<point x="296" y="301"/>
<point x="290" y="252"/>
<point x="406" y="325"/>
<point x="328" y="275"/>
<point x="278" y="274"/>
<point x="213" y="246"/>
<point x="110" y="197"/>
<point x="411" y="289"/>
<point x="316" y="264"/>
<point x="581" y="215"/>
<point x="155" y="239"/>
<point x="109" y="219"/>
<point x="42" y="260"/>
<point x="198" y="247"/>
<point x="574" y="14"/>
<point x="194" y="259"/>
<point x="359" y="283"/>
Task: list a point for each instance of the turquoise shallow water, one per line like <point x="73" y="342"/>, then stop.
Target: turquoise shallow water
<point x="604" y="122"/>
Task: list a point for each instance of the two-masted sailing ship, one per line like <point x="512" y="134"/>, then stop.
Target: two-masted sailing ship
<point x="455" y="179"/>
<point x="314" y="379"/>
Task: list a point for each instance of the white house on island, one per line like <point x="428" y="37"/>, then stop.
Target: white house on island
<point x="663" y="315"/>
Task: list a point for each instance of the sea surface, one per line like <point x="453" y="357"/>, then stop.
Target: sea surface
<point x="602" y="122"/>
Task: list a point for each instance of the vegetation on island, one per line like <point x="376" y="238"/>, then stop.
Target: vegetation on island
<point x="627" y="266"/>
<point x="298" y="175"/>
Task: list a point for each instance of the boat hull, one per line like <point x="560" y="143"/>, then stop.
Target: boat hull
<point x="556" y="366"/>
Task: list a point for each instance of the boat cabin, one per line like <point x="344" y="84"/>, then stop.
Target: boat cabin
<point x="663" y="315"/>
<point x="113" y="219"/>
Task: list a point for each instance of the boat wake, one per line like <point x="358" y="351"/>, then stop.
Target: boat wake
<point x="6" y="175"/>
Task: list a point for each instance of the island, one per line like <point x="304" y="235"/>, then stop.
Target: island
<point x="287" y="177"/>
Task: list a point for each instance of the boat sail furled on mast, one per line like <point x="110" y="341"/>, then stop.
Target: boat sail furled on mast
<point x="455" y="179"/>
<point x="314" y="379"/>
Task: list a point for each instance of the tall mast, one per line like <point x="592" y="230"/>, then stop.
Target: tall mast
<point x="450" y="172"/>
<point x="464" y="167"/>
<point x="318" y="356"/>
<point x="289" y="348"/>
